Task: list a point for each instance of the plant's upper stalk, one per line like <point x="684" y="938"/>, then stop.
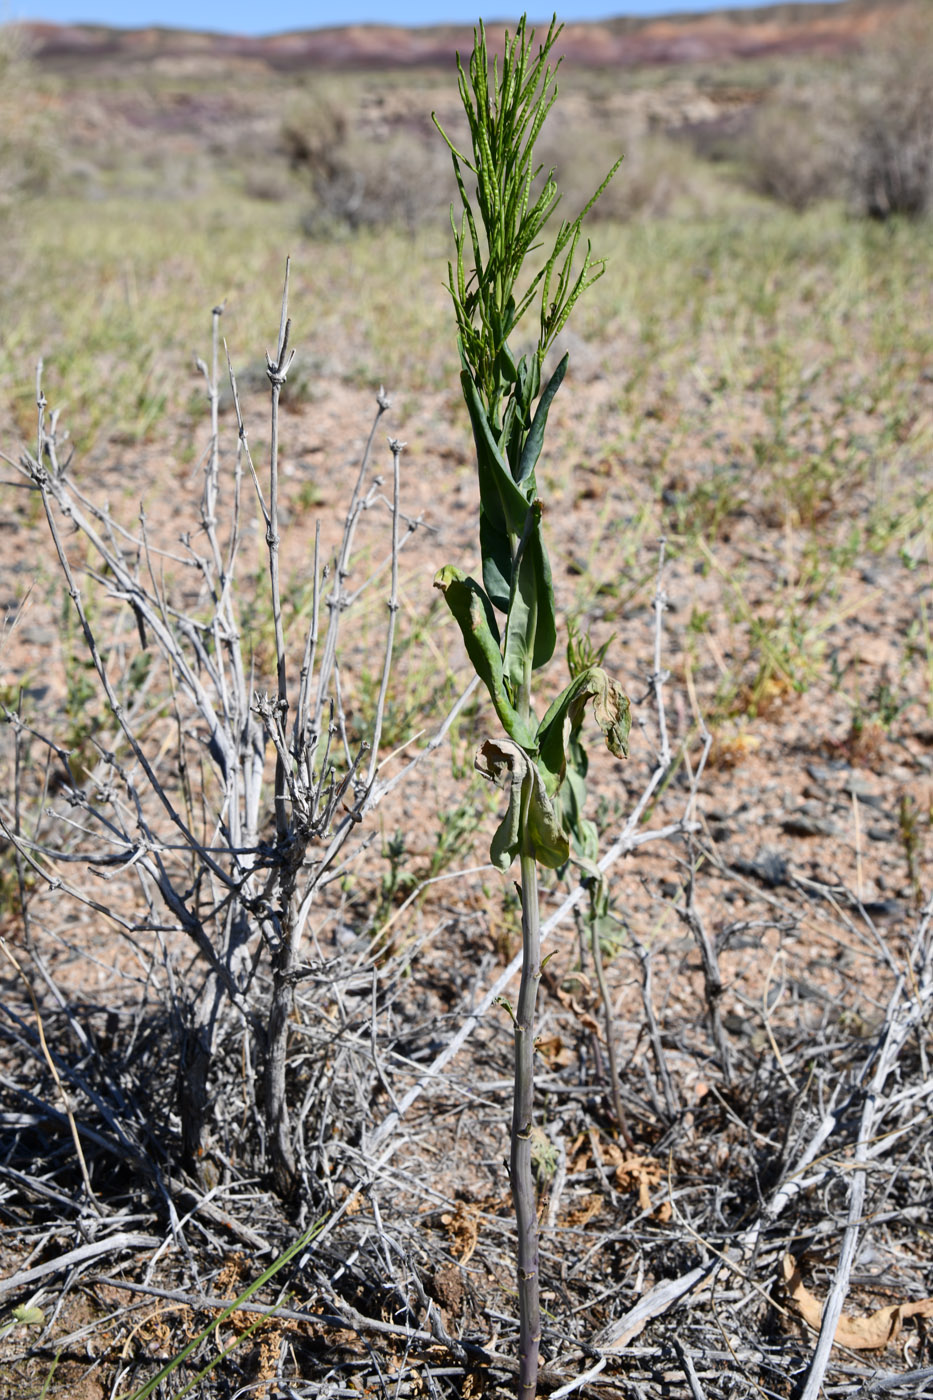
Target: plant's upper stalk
<point x="499" y="225"/>
<point x="512" y="209"/>
<point x="539" y="764"/>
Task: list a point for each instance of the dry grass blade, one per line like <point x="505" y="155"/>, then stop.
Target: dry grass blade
<point x="113" y="1244"/>
<point x="40" y="1029"/>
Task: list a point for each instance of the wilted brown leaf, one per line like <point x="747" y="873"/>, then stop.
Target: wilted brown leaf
<point x="635" y="1173"/>
<point x="584" y="1017"/>
<point x="581" y="1214"/>
<point x="857" y="1333"/>
<point x="554" y="1052"/>
<point x="463" y="1229"/>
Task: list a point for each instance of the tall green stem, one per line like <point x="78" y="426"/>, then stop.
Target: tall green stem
<point x="522" y="1174"/>
<point x="505" y="108"/>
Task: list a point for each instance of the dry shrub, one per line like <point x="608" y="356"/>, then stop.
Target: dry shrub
<point x="399" y="172"/>
<point x="403" y="179"/>
<point x="26" y="144"/>
<point x="792" y="150"/>
<point x="659" y="173"/>
<point x="656" y="171"/>
<point x="313" y="132"/>
<point x="891" y="163"/>
<point x="266" y="183"/>
<point x="868" y="137"/>
<point x="401" y="175"/>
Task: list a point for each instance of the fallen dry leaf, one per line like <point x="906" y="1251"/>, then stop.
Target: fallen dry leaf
<point x="585" y="1211"/>
<point x="583" y="1016"/>
<point x="554" y="1052"/>
<point x="463" y="1231"/>
<point x="857" y="1333"/>
<point x="634" y="1173"/>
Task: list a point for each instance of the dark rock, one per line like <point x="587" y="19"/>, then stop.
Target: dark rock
<point x="769" y="866"/>
<point x="826" y="772"/>
<point x="885" y="911"/>
<point x="880" y="833"/>
<point x="803" y="824"/>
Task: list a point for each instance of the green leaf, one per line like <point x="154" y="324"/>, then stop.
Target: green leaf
<point x="535" y="439"/>
<point x="496" y="551"/>
<point x="507" y="1006"/>
<point x="531" y="628"/>
<point x="571" y="800"/>
<point x="503" y="501"/>
<point x="477" y="622"/>
<point x="516" y="422"/>
<point x="532" y="822"/>
<point x="565" y="716"/>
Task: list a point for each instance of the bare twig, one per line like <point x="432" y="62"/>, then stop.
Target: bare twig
<point x="72" y="1258"/>
<point x="396" y="449"/>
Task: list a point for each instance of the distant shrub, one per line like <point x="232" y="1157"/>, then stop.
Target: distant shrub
<point x="402" y="179"/>
<point x="657" y="169"/>
<point x="868" y="136"/>
<point x="891" y="159"/>
<point x="313" y="132"/>
<point x="26" y="145"/>
<point x="361" y="180"/>
<point x="793" y="150"/>
<point x="266" y="183"/>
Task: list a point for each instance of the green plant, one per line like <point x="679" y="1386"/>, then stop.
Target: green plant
<point x="908" y="823"/>
<point x="85" y="718"/>
<point x="24" y="1315"/>
<point x="395" y="879"/>
<point x="873" y="717"/>
<point x="540" y="763"/>
<point x="453" y="837"/>
<point x="786" y="634"/>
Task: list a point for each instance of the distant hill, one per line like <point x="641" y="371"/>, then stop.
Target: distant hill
<point x="617" y="43"/>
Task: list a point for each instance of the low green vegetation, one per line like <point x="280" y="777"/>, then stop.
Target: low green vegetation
<point x="755" y="365"/>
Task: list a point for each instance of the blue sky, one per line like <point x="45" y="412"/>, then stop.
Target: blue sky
<point x="246" y="17"/>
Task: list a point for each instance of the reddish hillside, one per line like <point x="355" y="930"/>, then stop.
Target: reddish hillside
<point x="619" y="43"/>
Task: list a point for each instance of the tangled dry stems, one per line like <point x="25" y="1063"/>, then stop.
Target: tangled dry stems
<point x="804" y="1130"/>
<point x="865" y="135"/>
<point x="818" y="1139"/>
